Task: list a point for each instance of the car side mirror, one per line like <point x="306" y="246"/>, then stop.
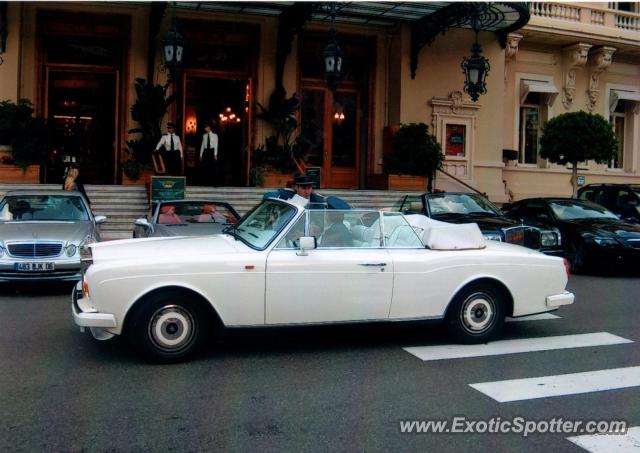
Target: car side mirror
<point x="306" y="243"/>
<point x="542" y="217"/>
<point x="100" y="219"/>
<point x="142" y="222"/>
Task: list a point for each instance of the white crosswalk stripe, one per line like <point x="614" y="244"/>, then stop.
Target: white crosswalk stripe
<point x="560" y="385"/>
<point x="456" y="351"/>
<point x="540" y="317"/>
<point x="607" y="443"/>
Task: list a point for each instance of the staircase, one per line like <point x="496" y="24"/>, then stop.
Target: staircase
<point x="124" y="204"/>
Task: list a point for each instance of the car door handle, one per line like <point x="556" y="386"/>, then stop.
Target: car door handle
<point x="373" y="264"/>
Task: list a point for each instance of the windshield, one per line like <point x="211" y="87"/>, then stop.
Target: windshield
<point x="260" y="226"/>
<point x="194" y="212"/>
<point x="43" y="207"/>
<point x="569" y="210"/>
<point x="460" y="203"/>
<point x="636" y="190"/>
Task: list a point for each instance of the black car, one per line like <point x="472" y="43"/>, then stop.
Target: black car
<point x="622" y="199"/>
<point x="592" y="236"/>
<point x="461" y="207"/>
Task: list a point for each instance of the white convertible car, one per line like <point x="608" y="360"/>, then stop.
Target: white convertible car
<point x="283" y="264"/>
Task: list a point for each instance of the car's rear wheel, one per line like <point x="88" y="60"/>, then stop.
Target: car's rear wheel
<point x="476" y="314"/>
<point x="168" y="327"/>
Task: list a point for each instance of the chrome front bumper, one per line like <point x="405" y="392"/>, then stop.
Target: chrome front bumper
<point x="85" y="315"/>
<point x="566" y="298"/>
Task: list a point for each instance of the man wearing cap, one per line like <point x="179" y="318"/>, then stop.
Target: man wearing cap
<point x="302" y="189"/>
<point x="172" y="154"/>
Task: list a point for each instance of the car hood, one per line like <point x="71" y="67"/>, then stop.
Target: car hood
<point x="45" y="231"/>
<point x="610" y="227"/>
<point x="188" y="229"/>
<point x="486" y="223"/>
<point x="158" y="249"/>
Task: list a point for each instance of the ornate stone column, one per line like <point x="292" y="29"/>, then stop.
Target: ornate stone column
<point x="600" y="60"/>
<point x="574" y="57"/>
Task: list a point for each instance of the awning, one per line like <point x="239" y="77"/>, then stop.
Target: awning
<point x="620" y="95"/>
<point x="547" y="89"/>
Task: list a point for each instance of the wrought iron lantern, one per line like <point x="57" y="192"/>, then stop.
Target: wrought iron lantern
<point x="172" y="47"/>
<point x="475" y="68"/>
<point x="332" y="55"/>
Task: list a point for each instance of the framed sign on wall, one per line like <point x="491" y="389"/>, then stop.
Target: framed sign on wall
<point x="455" y="139"/>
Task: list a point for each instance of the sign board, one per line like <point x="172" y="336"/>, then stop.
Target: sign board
<point x="313" y="173"/>
<point x="455" y="140"/>
<point x="580" y="180"/>
<point x="167" y="188"/>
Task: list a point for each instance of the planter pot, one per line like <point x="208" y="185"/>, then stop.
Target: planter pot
<point x="407" y="182"/>
<point x="16" y="175"/>
<point x="273" y="178"/>
<point x="145" y="175"/>
<point x="6" y="152"/>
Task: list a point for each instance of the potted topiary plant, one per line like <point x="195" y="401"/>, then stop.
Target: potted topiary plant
<point x="148" y="111"/>
<point x="24" y="141"/>
<point x="414" y="158"/>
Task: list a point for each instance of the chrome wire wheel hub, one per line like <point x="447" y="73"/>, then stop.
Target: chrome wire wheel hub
<point x="171" y="328"/>
<point x="478" y="313"/>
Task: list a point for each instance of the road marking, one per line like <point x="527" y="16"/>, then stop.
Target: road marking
<point x="538" y="317"/>
<point x="560" y="385"/>
<point x="606" y="443"/>
<point x="457" y="351"/>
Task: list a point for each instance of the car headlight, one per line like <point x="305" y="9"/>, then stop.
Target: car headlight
<point x="492" y="236"/>
<point x="605" y="242"/>
<point x="1" y="252"/>
<point x="549" y="239"/>
<point x="70" y="250"/>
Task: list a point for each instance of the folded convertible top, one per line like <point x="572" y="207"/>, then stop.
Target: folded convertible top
<point x="438" y="235"/>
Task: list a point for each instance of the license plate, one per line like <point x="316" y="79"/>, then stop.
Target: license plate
<point x="34" y="267"/>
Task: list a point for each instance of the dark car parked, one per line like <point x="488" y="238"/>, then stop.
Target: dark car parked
<point x="592" y="236"/>
<point x="461" y="207"/>
<point x="622" y="199"/>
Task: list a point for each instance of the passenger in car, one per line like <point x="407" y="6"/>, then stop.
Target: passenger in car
<point x="168" y="215"/>
<point x="210" y="214"/>
<point x="337" y="235"/>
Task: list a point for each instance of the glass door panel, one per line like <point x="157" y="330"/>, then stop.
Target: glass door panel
<point x="344" y="129"/>
<point x="312" y="127"/>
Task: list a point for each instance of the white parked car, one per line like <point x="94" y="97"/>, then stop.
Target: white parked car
<point x="283" y="264"/>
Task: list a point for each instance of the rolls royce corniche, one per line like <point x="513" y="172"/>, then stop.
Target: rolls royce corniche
<point x="41" y="233"/>
<point x="462" y="207"/>
<point x="283" y="264"/>
<point x="185" y="218"/>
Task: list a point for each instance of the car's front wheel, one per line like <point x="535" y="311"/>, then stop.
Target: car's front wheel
<point x="167" y="327"/>
<point x="476" y="314"/>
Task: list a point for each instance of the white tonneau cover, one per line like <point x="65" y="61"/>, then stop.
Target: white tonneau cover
<point x="438" y="235"/>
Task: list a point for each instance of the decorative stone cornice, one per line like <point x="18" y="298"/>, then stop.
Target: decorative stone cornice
<point x="574" y="56"/>
<point x="510" y="52"/>
<point x="456" y="103"/>
<point x="599" y="62"/>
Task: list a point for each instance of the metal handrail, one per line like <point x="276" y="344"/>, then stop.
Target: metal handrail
<point x="462" y="182"/>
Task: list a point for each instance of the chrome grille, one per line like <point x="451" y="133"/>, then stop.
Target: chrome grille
<point x="529" y="237"/>
<point x="35" y="249"/>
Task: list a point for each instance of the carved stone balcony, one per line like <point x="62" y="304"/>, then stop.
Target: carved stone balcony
<point x="598" y="25"/>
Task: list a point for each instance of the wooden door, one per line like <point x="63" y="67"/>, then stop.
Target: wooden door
<point x="329" y="133"/>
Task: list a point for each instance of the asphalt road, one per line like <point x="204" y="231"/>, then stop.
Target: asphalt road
<point x="319" y="390"/>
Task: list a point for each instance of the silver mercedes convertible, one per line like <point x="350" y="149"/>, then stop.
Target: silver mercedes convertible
<point x="42" y="232"/>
